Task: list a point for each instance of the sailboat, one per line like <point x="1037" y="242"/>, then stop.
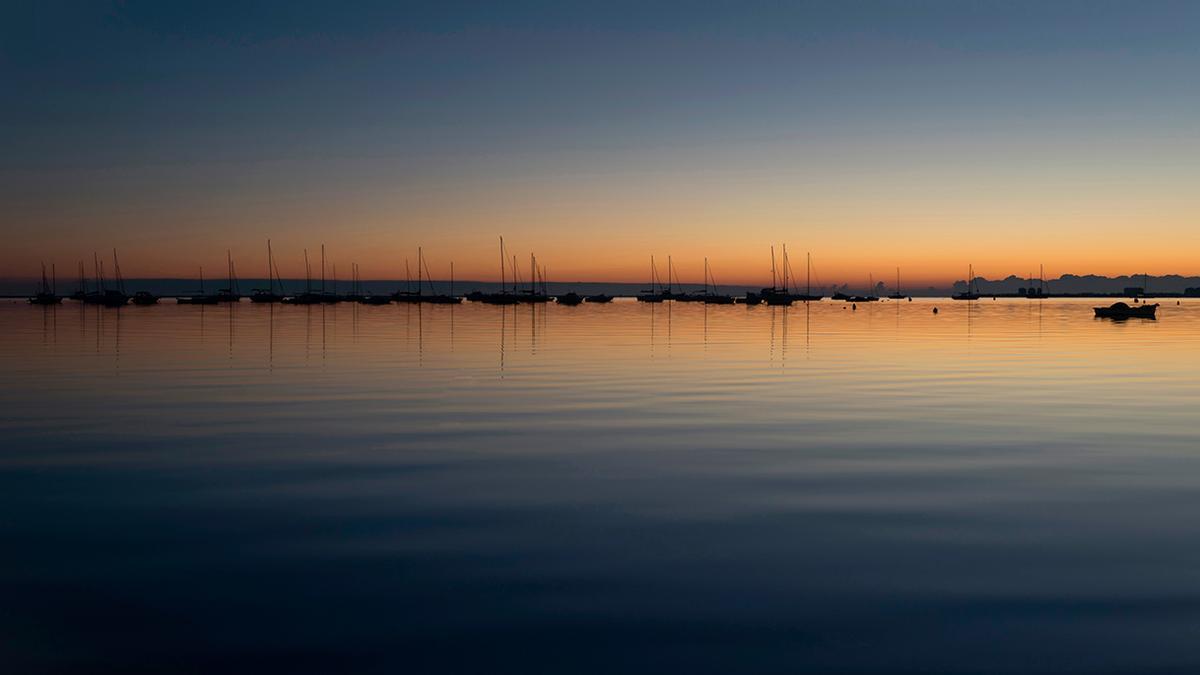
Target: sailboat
<point x="869" y="296"/>
<point x="776" y="294"/>
<point x="408" y="294"/>
<point x="201" y="298"/>
<point x="434" y="297"/>
<point x="972" y="292"/>
<point x="503" y="296"/>
<point x="268" y="294"/>
<point x="655" y="292"/>
<point x="328" y="297"/>
<point x="807" y="295"/>
<point x="897" y="295"/>
<point x="109" y="297"/>
<point x="231" y="293"/>
<point x="673" y="281"/>
<point x="80" y="290"/>
<point x="779" y="294"/>
<point x="46" y="294"/>
<point x="1039" y="292"/>
<point x="355" y="295"/>
<point x="713" y="297"/>
<point x="537" y="283"/>
<point x="308" y="297"/>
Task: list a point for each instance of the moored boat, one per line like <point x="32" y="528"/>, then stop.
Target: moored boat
<point x="1120" y="310"/>
<point x="200" y="298"/>
<point x="655" y="293"/>
<point x="897" y="294"/>
<point x="144" y="298"/>
<point x="108" y="297"/>
<point x="268" y="294"/>
<point x="972" y="292"/>
<point x="46" y="294"/>
<point x="571" y="298"/>
<point x="230" y="293"/>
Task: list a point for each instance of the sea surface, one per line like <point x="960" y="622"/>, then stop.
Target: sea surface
<point x="1007" y="486"/>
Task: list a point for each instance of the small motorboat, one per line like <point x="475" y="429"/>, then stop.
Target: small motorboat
<point x="599" y="297"/>
<point x="571" y="298"/>
<point x="376" y="299"/>
<point x="1120" y="310"/>
<point x="145" y="298"/>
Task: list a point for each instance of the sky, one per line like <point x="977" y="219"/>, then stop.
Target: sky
<point x="920" y="134"/>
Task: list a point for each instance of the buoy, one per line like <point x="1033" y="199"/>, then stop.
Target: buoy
<point x="853" y="307"/>
<point x="935" y="310"/>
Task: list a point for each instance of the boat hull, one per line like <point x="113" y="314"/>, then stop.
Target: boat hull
<point x="1122" y="311"/>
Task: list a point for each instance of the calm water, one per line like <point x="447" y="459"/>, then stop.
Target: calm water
<point x="1010" y="486"/>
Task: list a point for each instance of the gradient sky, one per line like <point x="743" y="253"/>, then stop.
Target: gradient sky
<point x="927" y="135"/>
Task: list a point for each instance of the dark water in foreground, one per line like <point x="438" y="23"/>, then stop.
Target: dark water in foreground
<point x="1008" y="487"/>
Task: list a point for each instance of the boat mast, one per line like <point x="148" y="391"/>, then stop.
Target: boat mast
<point x="502" y="281"/>
<point x="898" y="281"/>
<point x="774" y="280"/>
<point x="420" y="261"/>
<point x="808" y="276"/>
<point x="201" y="280"/>
<point x="451" y="278"/>
<point x="787" y="286"/>
<point x="307" y="274"/>
<point x="117" y="272"/>
<point x="322" y="269"/>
